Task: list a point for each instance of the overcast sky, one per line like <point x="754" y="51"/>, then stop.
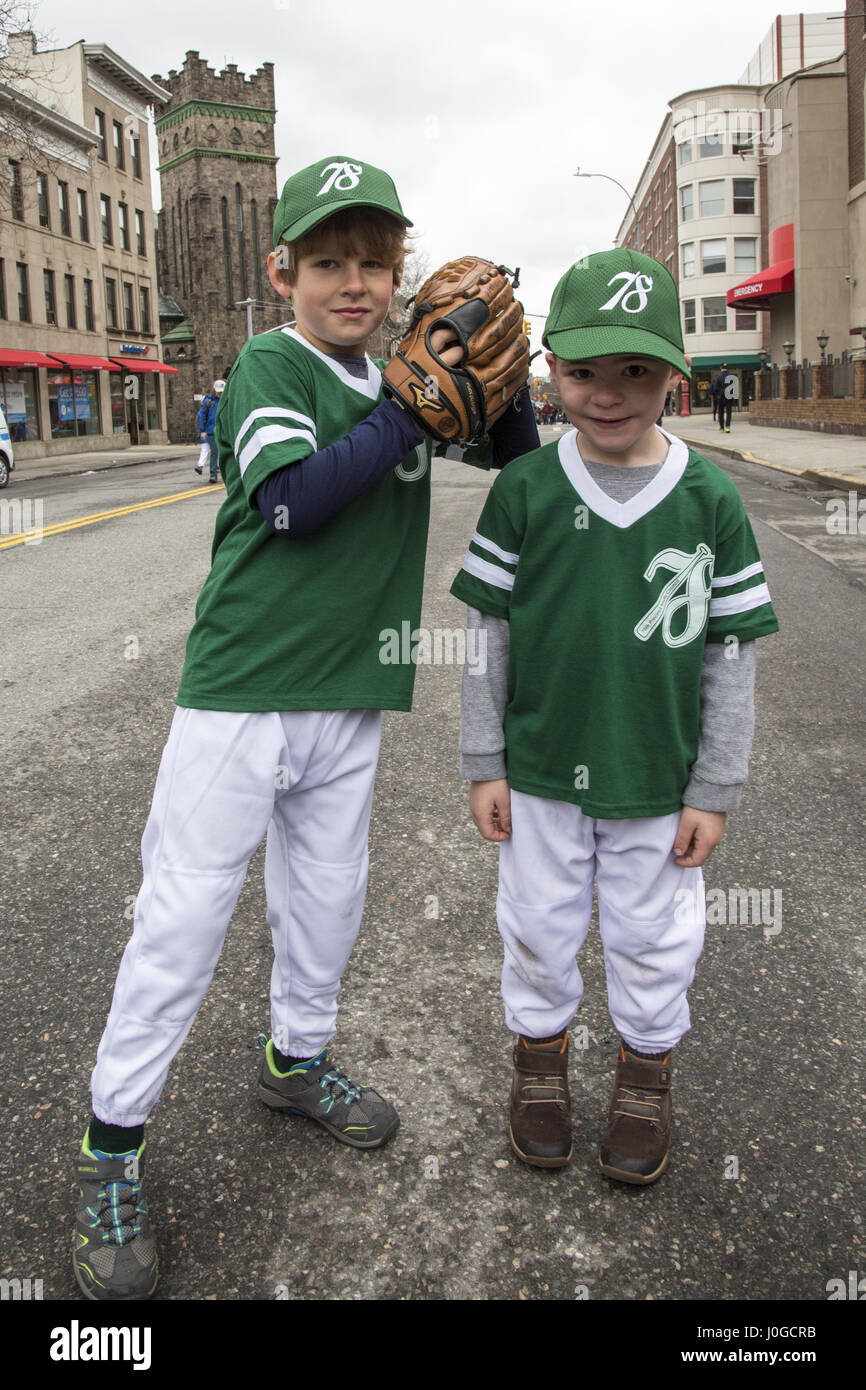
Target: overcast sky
<point x="481" y="110"/>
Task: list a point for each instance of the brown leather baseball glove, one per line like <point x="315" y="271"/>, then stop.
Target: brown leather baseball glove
<point x="475" y="300"/>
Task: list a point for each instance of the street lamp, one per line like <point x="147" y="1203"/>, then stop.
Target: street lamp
<point x="762" y="356"/>
<point x="788" y="349"/>
<point x="823" y="340"/>
<point x="611" y="179"/>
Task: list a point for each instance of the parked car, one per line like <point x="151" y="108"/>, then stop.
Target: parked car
<point x="7" y="457"/>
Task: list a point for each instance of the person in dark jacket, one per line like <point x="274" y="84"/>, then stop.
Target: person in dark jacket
<point x="722" y="398"/>
<point x="206" y="424"/>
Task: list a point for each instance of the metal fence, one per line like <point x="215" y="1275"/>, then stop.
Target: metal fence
<point x="800" y="380"/>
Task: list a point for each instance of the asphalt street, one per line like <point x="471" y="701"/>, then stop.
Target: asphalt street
<point x="763" y="1199"/>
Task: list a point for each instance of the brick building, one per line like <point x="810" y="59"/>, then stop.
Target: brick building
<point x="217" y="169"/>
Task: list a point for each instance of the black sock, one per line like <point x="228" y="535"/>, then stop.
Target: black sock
<point x="114" y="1139"/>
<point x="647" y="1056"/>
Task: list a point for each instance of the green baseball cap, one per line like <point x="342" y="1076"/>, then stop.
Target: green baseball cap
<point x="325" y="187"/>
<point x="616" y="301"/>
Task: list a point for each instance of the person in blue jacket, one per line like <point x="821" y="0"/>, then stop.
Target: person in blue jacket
<point x="206" y="423"/>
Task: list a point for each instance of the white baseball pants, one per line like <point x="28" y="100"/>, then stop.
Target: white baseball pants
<point x="306" y="778"/>
<point x="651" y="918"/>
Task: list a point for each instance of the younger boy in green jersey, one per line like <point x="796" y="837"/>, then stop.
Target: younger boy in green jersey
<point x="319" y="545"/>
<point x="615" y="573"/>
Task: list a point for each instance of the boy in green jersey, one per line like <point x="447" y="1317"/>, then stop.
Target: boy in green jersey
<point x="616" y="576"/>
<point x="319" y="545"/>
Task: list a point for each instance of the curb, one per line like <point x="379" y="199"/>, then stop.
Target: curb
<point x="22" y="472"/>
<point x="816" y="477"/>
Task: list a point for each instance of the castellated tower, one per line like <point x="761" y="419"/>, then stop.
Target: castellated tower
<point x="217" y="169"/>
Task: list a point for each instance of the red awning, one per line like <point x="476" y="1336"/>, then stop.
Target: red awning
<point x="776" y="279"/>
<point x="139" y="366"/>
<point x="81" y="361"/>
<point x="21" y="357"/>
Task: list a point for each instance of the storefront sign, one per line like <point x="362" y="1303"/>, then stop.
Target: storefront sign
<point x="16" y="407"/>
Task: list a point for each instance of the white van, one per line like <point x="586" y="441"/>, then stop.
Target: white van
<point x="7" y="458"/>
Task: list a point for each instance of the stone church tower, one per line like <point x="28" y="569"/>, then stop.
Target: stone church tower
<point x="217" y="169"/>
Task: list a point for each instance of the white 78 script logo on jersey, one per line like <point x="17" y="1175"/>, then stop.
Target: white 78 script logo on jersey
<point x="690" y="588"/>
<point x="345" y="176"/>
<point x="636" y="283"/>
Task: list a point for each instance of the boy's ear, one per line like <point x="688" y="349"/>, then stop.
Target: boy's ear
<point x="277" y="276"/>
<point x="551" y="361"/>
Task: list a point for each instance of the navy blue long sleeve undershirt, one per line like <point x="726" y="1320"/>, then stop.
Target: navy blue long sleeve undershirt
<point x="321" y="485"/>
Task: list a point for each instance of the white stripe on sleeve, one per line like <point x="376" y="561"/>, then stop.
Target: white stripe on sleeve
<point x="724" y="581"/>
<point x="740" y="603"/>
<point x="495" y="549"/>
<point x="492" y="574"/>
<point x="269" y="434"/>
<point x="273" y="412"/>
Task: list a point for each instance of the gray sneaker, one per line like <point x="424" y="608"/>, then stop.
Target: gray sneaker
<point x="319" y="1091"/>
<point x="113" y="1249"/>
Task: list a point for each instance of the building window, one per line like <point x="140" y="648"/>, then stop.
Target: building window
<point x="745" y="255"/>
<point x="42" y="200"/>
<point x="239" y="227"/>
<point x="101" y="148"/>
<point x="688" y="315"/>
<point x="88" y="305"/>
<point x="144" y="306"/>
<point x="669" y="266"/>
<point x="83" y="229"/>
<point x="711" y="147"/>
<point x="687" y="203"/>
<point x="128" y="311"/>
<point x="744" y="195"/>
<point x="118" y="145"/>
<point x="118" y="407"/>
<point x="50" y="301"/>
<point x="746" y="319"/>
<point x="666" y="175"/>
<point x="744" y="143"/>
<point x="123" y="223"/>
<point x="111" y="303"/>
<point x="73" y="404"/>
<point x="687" y="152"/>
<point x="669" y="221"/>
<point x="63" y="207"/>
<point x="257" y="259"/>
<point x="713" y="257"/>
<point x="715" y="314"/>
<point x="227" y="251"/>
<point x="69" y="283"/>
<point x="139" y="231"/>
<point x="19" y="403"/>
<point x="136" y="157"/>
<point x="712" y="198"/>
<point x="16" y="193"/>
<point x="105" y="206"/>
<point x="688" y="259"/>
<point x="23" y="292"/>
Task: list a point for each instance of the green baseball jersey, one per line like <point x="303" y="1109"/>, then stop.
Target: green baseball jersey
<point x="295" y="623"/>
<point x="610" y="605"/>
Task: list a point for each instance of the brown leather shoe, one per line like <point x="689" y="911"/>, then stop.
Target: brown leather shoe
<point x="540" y="1128"/>
<point x="635" y="1144"/>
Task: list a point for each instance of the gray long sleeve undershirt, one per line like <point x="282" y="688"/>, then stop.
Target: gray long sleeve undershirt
<point x="718" y="773"/>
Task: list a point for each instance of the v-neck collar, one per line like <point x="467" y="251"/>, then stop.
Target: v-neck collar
<point x="368" y="388"/>
<point x="622" y="514"/>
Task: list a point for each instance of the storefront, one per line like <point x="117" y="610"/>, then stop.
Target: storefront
<point x="73" y="390"/>
<point x="744" y="365"/>
<point x="141" y="398"/>
<point x="19" y="392"/>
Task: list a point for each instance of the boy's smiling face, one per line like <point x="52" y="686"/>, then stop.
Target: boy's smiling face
<point x="339" y="297"/>
<point x="614" y="402"/>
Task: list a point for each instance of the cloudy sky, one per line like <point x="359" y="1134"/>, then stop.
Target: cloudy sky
<point x="480" y="109"/>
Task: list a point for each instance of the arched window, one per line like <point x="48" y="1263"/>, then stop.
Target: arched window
<point x="239" y="225"/>
<point x="227" y="250"/>
<point x="257" y="250"/>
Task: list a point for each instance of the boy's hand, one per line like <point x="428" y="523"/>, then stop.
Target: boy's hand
<point x="698" y="834"/>
<point x="490" y="804"/>
<point x="447" y="346"/>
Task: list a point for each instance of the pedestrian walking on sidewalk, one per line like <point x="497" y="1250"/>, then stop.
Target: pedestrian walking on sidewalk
<point x="206" y="425"/>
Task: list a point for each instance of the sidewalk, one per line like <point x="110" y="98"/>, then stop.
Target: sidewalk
<point x="825" y="460"/>
<point x="97" y="460"/>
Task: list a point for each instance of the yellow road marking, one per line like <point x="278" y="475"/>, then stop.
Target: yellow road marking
<point x="73" y="525"/>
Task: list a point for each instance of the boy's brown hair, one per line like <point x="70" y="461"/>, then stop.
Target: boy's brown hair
<point x="351" y="231"/>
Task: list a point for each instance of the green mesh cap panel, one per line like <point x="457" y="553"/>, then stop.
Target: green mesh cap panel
<point x="323" y="188"/>
<point x="616" y="301"/>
